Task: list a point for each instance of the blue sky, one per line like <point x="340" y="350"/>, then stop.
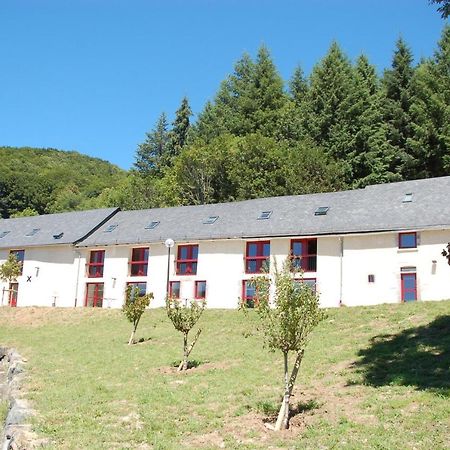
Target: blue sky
<point x="94" y="75"/>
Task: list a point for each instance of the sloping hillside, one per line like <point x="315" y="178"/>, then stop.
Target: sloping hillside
<point x="49" y="180"/>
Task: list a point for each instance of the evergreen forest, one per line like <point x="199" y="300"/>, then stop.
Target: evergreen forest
<point x="343" y="126"/>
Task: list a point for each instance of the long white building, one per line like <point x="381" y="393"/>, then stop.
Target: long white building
<point x="381" y="244"/>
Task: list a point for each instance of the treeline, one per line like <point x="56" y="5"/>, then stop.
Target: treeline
<point x="343" y="126"/>
<point x="39" y="181"/>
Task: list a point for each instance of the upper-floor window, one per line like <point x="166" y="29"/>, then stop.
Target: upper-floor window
<point x="20" y="256"/>
<point x="139" y="262"/>
<point x="407" y="240"/>
<point x="96" y="263"/>
<point x="257" y="256"/>
<point x="304" y="254"/>
<point x="200" y="290"/>
<point x="187" y="259"/>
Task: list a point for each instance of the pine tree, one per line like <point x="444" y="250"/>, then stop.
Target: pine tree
<point x="178" y="137"/>
<point x="397" y="104"/>
<point x="248" y="101"/>
<point x="430" y="112"/>
<point x="151" y="154"/>
<point x="327" y="116"/>
<point x="298" y="86"/>
<point x="371" y="155"/>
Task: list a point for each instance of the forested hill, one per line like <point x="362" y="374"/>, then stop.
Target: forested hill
<point x="40" y="181"/>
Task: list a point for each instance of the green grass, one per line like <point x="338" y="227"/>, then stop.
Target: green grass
<point x="375" y="377"/>
<point x="3" y="411"/>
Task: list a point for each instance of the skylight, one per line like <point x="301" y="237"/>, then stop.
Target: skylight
<point x="33" y="232"/>
<point x="408" y="198"/>
<point x="210" y="219"/>
<point x="264" y="215"/>
<point x="322" y="211"/>
<point x="58" y="236"/>
<point x="152" y="225"/>
<point x="3" y="234"/>
<point x="110" y="228"/>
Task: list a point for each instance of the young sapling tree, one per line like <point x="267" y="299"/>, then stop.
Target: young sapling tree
<point x="446" y="253"/>
<point x="184" y="315"/>
<point x="286" y="321"/>
<point x="134" y="307"/>
<point x="10" y="270"/>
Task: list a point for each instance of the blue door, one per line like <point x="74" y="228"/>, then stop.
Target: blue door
<point x="409" y="287"/>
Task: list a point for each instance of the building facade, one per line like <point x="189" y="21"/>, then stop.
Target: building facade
<point x="381" y="244"/>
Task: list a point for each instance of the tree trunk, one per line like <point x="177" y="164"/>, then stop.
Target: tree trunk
<point x="283" y="416"/>
<point x="184" y="364"/>
<point x="293" y="377"/>
<point x="180" y="367"/>
<point x="133" y="333"/>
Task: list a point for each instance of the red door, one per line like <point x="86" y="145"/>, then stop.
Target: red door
<point x="13" y="293"/>
<point x="94" y="295"/>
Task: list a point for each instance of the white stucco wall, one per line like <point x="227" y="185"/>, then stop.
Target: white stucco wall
<point x="58" y="273"/>
<point x="48" y="277"/>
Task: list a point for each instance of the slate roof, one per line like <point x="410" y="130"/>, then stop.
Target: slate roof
<point x="375" y="208"/>
<point x="52" y="229"/>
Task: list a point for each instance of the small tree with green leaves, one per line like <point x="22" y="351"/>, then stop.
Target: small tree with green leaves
<point x="10" y="270"/>
<point x="286" y="321"/>
<point x="184" y="315"/>
<point x="446" y="253"/>
<point x="134" y="307"/>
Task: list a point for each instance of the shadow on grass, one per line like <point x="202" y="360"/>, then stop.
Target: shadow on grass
<point x="270" y="410"/>
<point x="418" y="356"/>
<point x="192" y="364"/>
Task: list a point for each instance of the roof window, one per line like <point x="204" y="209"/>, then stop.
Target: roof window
<point x="152" y="225"/>
<point x="110" y="228"/>
<point x="264" y="215"/>
<point x="33" y="232"/>
<point x="322" y="211"/>
<point x="408" y="198"/>
<point x="210" y="219"/>
<point x="58" y="236"/>
<point x="3" y="234"/>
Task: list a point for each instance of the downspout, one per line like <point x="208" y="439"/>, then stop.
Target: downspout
<point x="341" y="270"/>
<point x="78" y="253"/>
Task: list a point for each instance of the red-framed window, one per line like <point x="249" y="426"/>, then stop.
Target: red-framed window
<point x="200" y="290"/>
<point x="304" y="254"/>
<point x="407" y="240"/>
<point x="94" y="295"/>
<point x="139" y="262"/>
<point x="310" y="282"/>
<point x="409" y="287"/>
<point x="248" y="293"/>
<point x="20" y="256"/>
<point x="187" y="258"/>
<point x="141" y="286"/>
<point x="13" y="294"/>
<point x="174" y="289"/>
<point x="257" y="256"/>
<point x="96" y="264"/>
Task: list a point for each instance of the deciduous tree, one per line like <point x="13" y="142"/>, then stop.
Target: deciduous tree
<point x="134" y="306"/>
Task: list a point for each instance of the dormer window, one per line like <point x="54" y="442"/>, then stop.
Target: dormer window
<point x="210" y="220"/>
<point x="408" y="198"/>
<point x="111" y="228"/>
<point x="152" y="225"/>
<point x="321" y="211"/>
<point x="264" y="215"/>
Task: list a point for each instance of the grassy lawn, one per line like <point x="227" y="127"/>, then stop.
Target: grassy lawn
<point x="374" y="377"/>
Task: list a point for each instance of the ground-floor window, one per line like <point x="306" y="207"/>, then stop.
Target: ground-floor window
<point x="94" y="295"/>
<point x="248" y="293"/>
<point x="200" y="290"/>
<point x="13" y="294"/>
<point x="310" y="282"/>
<point x="141" y="286"/>
<point x="174" y="289"/>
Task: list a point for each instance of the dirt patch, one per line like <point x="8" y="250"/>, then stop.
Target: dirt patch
<point x="201" y="367"/>
<point x="35" y="316"/>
